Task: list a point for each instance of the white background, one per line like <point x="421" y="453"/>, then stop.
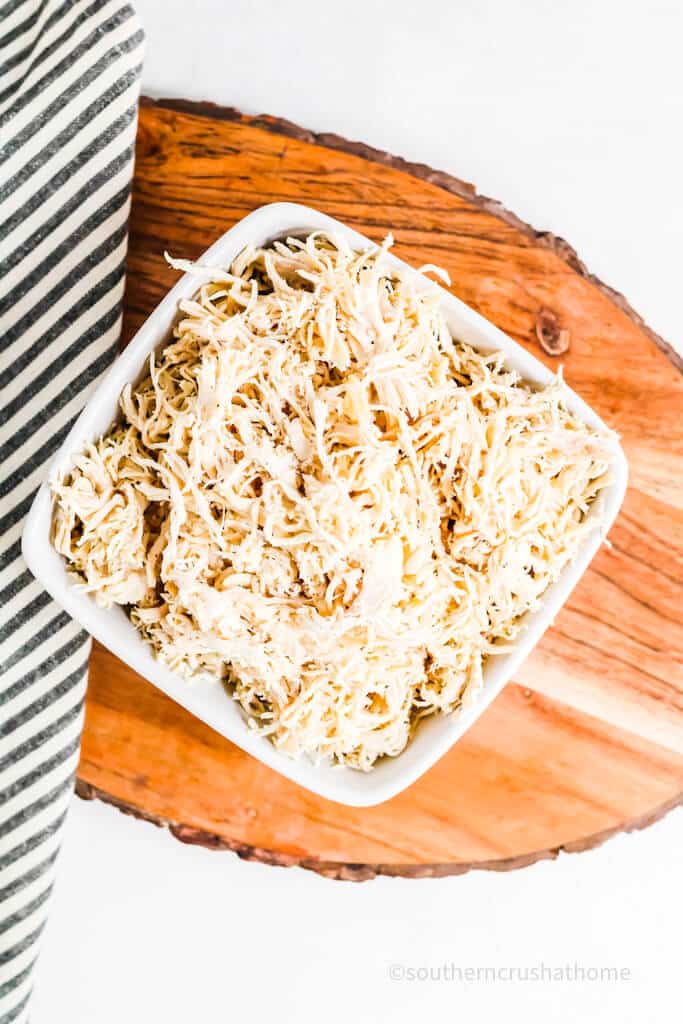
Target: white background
<point x="571" y="115"/>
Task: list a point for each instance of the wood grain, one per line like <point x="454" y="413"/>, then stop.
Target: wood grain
<point x="588" y="740"/>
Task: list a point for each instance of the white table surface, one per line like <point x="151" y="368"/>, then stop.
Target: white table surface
<point x="571" y="115"/>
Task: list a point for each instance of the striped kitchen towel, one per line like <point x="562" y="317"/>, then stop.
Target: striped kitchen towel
<point x="69" y="75"/>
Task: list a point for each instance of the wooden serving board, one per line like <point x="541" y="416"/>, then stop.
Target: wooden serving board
<point x="588" y="740"/>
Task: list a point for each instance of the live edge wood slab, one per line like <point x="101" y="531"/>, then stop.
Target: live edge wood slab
<point x="588" y="739"/>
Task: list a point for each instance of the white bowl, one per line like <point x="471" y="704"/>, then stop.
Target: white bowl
<point x="208" y="701"/>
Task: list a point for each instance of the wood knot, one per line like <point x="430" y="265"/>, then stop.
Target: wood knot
<point x="551" y="337"/>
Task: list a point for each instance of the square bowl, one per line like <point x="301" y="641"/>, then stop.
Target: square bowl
<point x="208" y="700"/>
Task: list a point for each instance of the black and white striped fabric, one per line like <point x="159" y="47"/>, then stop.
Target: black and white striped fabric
<point x="69" y="73"/>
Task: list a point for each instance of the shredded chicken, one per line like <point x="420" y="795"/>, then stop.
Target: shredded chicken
<point x="321" y="497"/>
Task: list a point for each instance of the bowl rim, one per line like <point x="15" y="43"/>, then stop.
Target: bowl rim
<point x="340" y="784"/>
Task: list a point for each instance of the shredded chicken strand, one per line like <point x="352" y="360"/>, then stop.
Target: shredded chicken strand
<point x="319" y="496"/>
